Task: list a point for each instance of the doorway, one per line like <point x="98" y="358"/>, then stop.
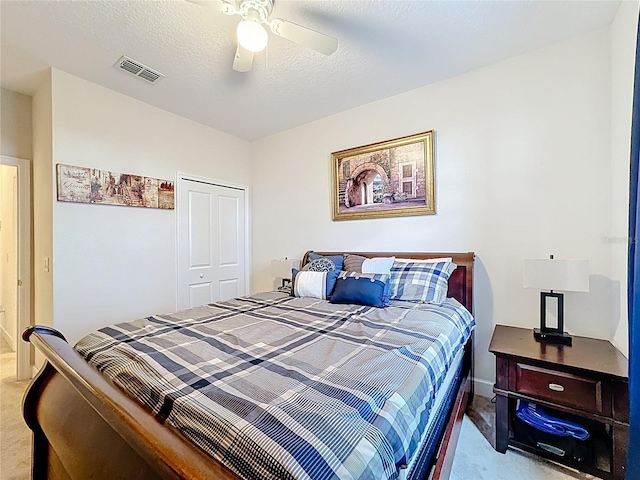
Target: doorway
<point x="212" y="241"/>
<point x="15" y="259"/>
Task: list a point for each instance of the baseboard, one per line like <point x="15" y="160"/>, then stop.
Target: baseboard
<point x="7" y="338"/>
<point x="483" y="388"/>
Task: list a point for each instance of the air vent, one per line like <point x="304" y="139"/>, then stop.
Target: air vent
<point x="138" y="69"/>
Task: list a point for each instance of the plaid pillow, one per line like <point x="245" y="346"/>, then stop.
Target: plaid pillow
<point x="420" y="282"/>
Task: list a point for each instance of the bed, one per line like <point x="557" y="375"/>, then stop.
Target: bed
<point x="86" y="426"/>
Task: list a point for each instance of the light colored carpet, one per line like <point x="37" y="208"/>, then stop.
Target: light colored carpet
<point x="475" y="457"/>
<point x="15" y="436"/>
<point x="4" y="346"/>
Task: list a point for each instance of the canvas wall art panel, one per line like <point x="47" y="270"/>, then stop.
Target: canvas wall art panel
<point x="386" y="179"/>
<point x="91" y="185"/>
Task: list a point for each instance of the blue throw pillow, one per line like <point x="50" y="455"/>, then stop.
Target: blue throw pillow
<point x="361" y="289"/>
<point x="376" y="276"/>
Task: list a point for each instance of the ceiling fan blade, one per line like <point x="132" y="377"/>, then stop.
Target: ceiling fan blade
<point x="243" y="59"/>
<point x="304" y="36"/>
<point x="219" y="5"/>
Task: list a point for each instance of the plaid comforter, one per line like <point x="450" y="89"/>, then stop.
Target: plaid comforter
<point x="277" y="387"/>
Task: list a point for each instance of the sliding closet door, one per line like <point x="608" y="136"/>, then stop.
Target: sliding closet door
<point x="211" y="257"/>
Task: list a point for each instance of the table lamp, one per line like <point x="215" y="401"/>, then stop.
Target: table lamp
<point x="281" y="268"/>
<point x="551" y="274"/>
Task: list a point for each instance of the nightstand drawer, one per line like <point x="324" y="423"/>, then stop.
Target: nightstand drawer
<point x="565" y="389"/>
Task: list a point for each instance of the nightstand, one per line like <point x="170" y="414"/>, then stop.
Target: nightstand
<point x="586" y="383"/>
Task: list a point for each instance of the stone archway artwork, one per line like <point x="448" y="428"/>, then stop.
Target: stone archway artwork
<point x="386" y="179"/>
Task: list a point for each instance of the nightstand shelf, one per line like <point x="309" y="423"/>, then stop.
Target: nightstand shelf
<point x="586" y="383"/>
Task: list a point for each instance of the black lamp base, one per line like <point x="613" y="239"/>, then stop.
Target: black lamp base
<point x="552" y="337"/>
<point x="548" y="334"/>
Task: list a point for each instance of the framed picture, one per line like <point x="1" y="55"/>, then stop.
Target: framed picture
<point x="386" y="179"/>
<point x="104" y="187"/>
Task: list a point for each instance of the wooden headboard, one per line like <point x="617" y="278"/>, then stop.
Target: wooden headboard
<point x="460" y="282"/>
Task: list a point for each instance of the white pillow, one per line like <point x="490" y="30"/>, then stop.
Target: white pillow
<point x="310" y="284"/>
<point x="425" y="260"/>
<point x="379" y="265"/>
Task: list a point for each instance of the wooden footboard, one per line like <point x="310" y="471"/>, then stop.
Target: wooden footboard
<point x="85" y="427"/>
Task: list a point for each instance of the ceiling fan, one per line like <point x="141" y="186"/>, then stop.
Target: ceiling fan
<point x="252" y="36"/>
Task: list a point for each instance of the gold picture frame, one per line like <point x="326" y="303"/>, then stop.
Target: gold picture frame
<point x="393" y="178"/>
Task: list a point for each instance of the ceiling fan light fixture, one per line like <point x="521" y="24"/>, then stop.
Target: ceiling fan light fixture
<point x="252" y="30"/>
<point x="252" y="36"/>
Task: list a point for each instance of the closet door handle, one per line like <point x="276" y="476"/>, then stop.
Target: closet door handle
<point x="556" y="387"/>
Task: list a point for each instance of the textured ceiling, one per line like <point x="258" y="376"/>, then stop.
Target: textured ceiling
<point x="385" y="47"/>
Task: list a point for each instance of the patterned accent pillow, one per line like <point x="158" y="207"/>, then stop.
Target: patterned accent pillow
<point x="361" y="289"/>
<point x="321" y="265"/>
<point x="336" y="259"/>
<point x="420" y="282"/>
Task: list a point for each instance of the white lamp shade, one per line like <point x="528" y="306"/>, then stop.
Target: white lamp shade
<point x="552" y="274"/>
<point x="281" y="268"/>
<point x="252" y="36"/>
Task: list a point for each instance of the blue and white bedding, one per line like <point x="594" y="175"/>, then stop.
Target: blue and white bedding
<point x="280" y="387"/>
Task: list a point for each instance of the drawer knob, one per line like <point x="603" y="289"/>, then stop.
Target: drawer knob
<point x="556" y="387"/>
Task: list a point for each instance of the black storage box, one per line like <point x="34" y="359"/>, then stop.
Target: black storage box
<point x="561" y="446"/>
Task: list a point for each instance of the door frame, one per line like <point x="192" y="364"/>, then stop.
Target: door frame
<point x="23" y="349"/>
<point x="180" y="176"/>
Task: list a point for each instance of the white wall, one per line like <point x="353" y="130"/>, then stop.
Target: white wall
<point x="623" y="50"/>
<point x="114" y="263"/>
<point x="43" y="192"/>
<point x="522" y="171"/>
<point x="15" y="124"/>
